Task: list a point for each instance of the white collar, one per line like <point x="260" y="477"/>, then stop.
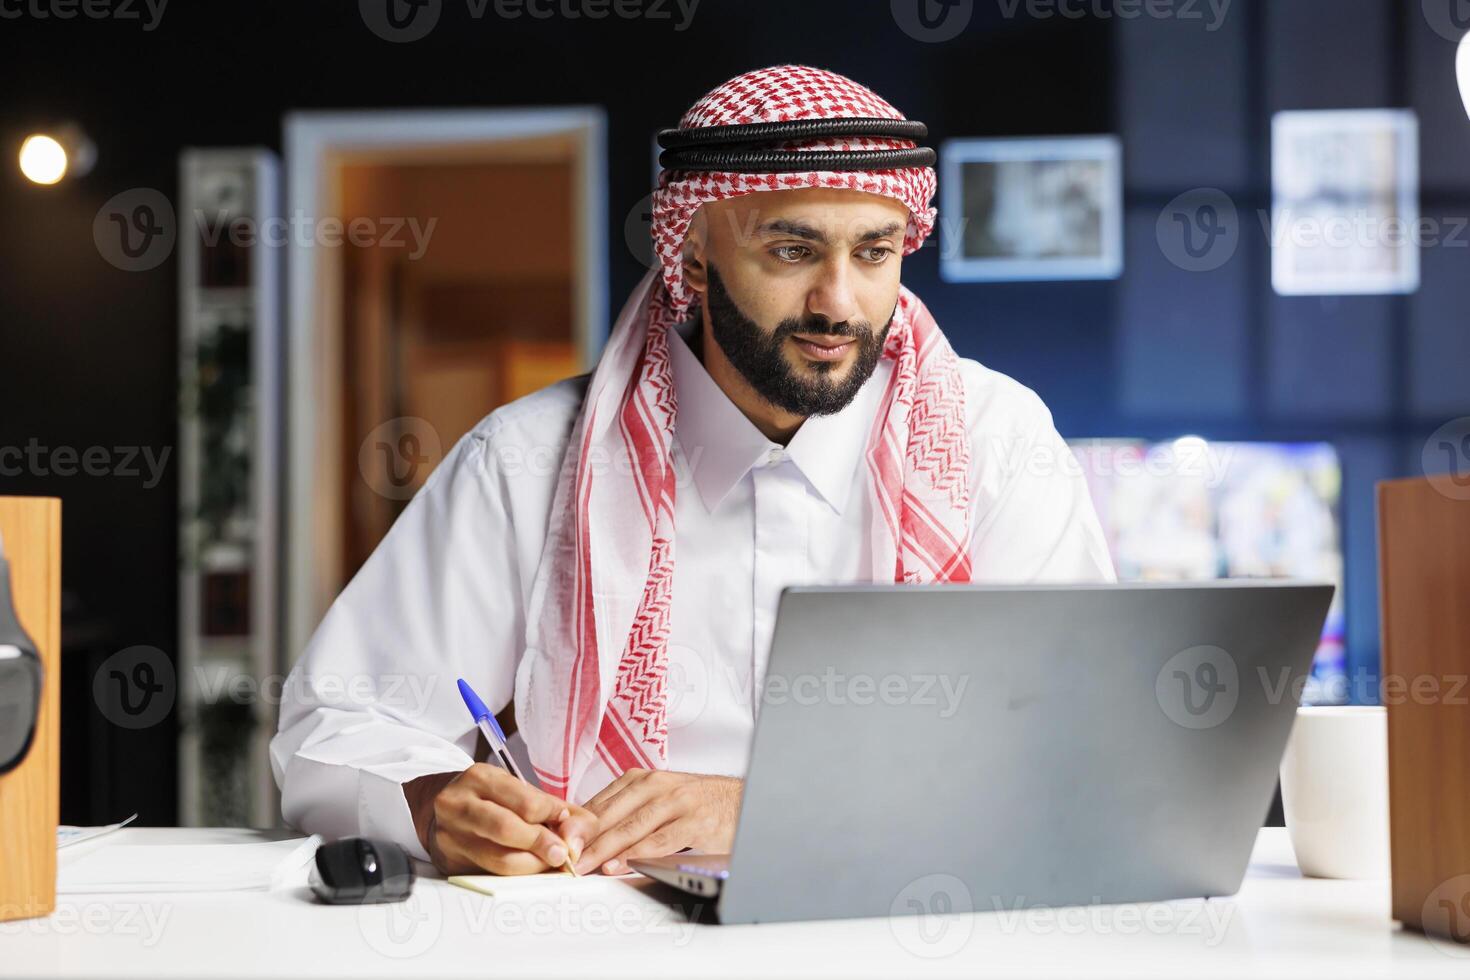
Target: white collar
<point x="720" y="444"/>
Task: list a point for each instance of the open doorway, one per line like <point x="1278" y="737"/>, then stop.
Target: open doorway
<point x="477" y="275"/>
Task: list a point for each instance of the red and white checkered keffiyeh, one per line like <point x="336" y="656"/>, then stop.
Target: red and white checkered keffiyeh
<point x="591" y="691"/>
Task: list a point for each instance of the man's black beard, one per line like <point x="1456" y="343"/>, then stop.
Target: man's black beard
<point x="758" y="356"/>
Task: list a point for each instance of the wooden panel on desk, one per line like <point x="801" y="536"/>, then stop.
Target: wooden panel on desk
<point x="30" y="793"/>
<point x="1424" y="590"/>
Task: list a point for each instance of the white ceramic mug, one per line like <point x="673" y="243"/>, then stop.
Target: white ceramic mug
<point x="1334" y="790"/>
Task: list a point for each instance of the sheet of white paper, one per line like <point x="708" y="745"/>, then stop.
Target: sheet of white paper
<point x="185" y="867"/>
<point x="510" y="885"/>
<point x="66" y="834"/>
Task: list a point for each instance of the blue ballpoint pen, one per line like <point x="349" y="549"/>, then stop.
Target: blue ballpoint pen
<point x="490" y="728"/>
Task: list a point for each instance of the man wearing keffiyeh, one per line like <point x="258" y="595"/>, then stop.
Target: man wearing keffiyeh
<point x="814" y="257"/>
<point x="788" y="198"/>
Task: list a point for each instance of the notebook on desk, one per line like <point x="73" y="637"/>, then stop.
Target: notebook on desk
<point x="502" y="886"/>
<point x="115" y="867"/>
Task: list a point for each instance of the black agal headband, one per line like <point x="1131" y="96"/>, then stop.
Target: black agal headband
<point x="752" y="147"/>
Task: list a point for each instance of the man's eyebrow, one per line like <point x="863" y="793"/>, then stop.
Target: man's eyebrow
<point x="889" y="229"/>
<point x="796" y="229"/>
<point x="780" y="226"/>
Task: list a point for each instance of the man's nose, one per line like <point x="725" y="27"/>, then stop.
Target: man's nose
<point x="832" y="296"/>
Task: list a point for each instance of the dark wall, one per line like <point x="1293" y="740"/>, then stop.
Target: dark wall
<point x="88" y="352"/>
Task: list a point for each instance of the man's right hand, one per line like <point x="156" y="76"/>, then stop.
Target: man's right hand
<point x="485" y="819"/>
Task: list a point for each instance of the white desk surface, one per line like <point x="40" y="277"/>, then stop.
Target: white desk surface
<point x="1279" y="925"/>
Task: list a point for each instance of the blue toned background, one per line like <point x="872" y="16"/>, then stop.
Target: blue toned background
<point x="1164" y="351"/>
<point x="89" y="353"/>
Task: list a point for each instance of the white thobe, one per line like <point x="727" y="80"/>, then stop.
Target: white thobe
<point x="373" y="703"/>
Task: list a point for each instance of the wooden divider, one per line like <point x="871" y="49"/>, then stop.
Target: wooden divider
<point x="30" y="793"/>
<point x="1424" y="589"/>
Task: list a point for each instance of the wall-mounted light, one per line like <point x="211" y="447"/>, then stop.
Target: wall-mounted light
<point x="47" y="158"/>
<point x="1462" y="70"/>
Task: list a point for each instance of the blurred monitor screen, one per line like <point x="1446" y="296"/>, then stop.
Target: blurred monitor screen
<point x="1191" y="509"/>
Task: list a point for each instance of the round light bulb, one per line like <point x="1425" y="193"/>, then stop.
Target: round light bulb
<point x="42" y="159"/>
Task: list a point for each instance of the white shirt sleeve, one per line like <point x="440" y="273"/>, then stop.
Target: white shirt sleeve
<point x="1034" y="517"/>
<point x="373" y="703"/>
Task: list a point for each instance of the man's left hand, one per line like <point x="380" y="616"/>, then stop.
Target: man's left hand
<point x="651" y="812"/>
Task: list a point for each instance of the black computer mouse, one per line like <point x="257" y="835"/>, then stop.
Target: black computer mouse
<point x="361" y="871"/>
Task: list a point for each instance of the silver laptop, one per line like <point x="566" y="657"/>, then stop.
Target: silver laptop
<point x="956" y="747"/>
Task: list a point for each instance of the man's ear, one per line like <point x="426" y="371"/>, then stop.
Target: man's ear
<point x="696" y="243"/>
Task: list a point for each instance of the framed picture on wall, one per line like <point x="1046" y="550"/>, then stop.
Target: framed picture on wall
<point x="1345" y="202"/>
<point x="1031" y="209"/>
